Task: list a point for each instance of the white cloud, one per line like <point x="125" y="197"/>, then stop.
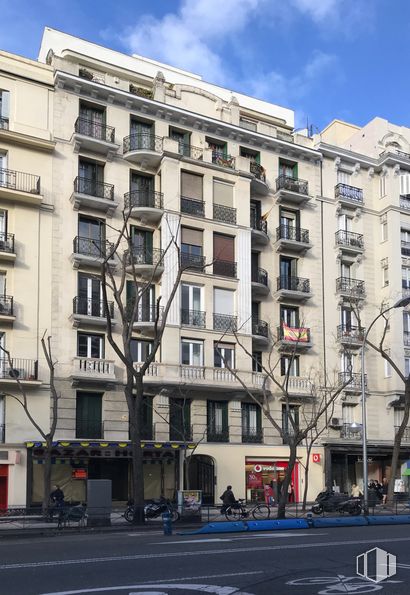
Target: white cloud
<point x="318" y="10"/>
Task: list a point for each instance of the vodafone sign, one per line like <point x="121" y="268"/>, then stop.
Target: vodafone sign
<point x="316" y="457"/>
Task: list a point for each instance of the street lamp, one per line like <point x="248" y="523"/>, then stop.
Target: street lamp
<point x="402" y="303"/>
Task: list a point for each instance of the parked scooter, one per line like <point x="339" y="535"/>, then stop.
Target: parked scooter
<point x="152" y="510"/>
<point x="329" y="501"/>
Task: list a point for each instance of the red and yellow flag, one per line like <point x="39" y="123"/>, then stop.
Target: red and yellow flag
<point x="298" y="335"/>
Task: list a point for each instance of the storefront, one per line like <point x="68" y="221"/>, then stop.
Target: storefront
<point x="261" y="472"/>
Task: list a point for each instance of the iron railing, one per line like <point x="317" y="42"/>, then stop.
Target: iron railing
<point x="217" y="434"/>
<point x="23" y="369"/>
<point x="349" y="192"/>
<point x="192" y="206"/>
<point x="94" y="129"/>
<point x="292" y="184"/>
<point x="349" y="239"/>
<point x="89" y="428"/>
<point x="91" y="307"/>
<point x="94" y="188"/>
<point x="144" y="198"/>
<point x="258" y="171"/>
<point x="19" y="180"/>
<point x="406" y="435"/>
<point x="2" y="433"/>
<point x="405" y="202"/>
<point x="258" y="223"/>
<point x="179" y="433"/>
<point x="289" y="232"/>
<point x="143" y="141"/>
<point x="7" y="242"/>
<point x="252" y="435"/>
<point x="355" y="380"/>
<point x="188" y="150"/>
<point x="4" y="123"/>
<point x="260" y="328"/>
<point x="224" y="214"/>
<point x="225" y="323"/>
<point x="259" y="276"/>
<point x="225" y="268"/>
<point x="403" y="154"/>
<point x="347" y="432"/>
<point x="6" y="305"/>
<point x="219" y="158"/>
<point x="405" y="248"/>
<point x="92" y="247"/>
<point x="145" y="256"/>
<point x="146" y="313"/>
<point x="291" y="283"/>
<point x="300" y="335"/>
<point x="353" y="287"/>
<point x="350" y="334"/>
<point x="193" y="318"/>
<point x="192" y="261"/>
<point x="406" y="338"/>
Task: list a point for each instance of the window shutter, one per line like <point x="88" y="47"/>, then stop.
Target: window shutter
<point x="191" y="236"/>
<point x="224" y="248"/>
<point x="5" y="104"/>
<point x="224" y="302"/>
<point x="405" y="184"/>
<point x="223" y="194"/>
<point x="224" y="416"/>
<point x="191" y="186"/>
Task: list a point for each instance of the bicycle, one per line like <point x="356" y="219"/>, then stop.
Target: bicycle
<point x="237" y="511"/>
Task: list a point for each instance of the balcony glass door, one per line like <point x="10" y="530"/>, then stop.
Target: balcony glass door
<point x="92" y="122"/>
<point x="143" y="188"/>
<point x="141" y="135"/>
<point x="217" y="418"/>
<point x="290" y="316"/>
<point x="90" y="176"/>
<point x="142" y="245"/>
<point x="91" y="237"/>
<point x="89" y="415"/>
<point x="191" y="305"/>
<point x="91" y="346"/>
<point x="224" y="355"/>
<point x="89" y="296"/>
<point x="289" y="222"/>
<point x="192" y="352"/>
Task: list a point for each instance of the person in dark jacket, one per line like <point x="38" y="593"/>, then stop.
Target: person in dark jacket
<point x="228" y="498"/>
<point x="57" y="501"/>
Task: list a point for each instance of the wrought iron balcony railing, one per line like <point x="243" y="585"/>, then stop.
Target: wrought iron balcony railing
<point x="355" y="381"/>
<point x="89" y="428"/>
<point x="23" y="369"/>
<point x="352" y="287"/>
<point x="406" y="435"/>
<point x="225" y="268"/>
<point x="188" y="150"/>
<point x="258" y="171"/>
<point x="144" y="198"/>
<point x="225" y="214"/>
<point x="350" y="334"/>
<point x="193" y="318"/>
<point x="6" y="305"/>
<point x="406" y="338"/>
<point x="405" y="248"/>
<point x="217" y="434"/>
<point x="252" y="435"/>
<point x="260" y="328"/>
<point x="4" y="123"/>
<point x="349" y="239"/>
<point x="179" y="433"/>
<point x="20" y="181"/>
<point x="7" y="242"/>
<point x="93" y="188"/>
<point x="96" y="248"/>
<point x="258" y="223"/>
<point x="292" y="184"/>
<point x="146" y="313"/>
<point x="405" y="202"/>
<point x="143" y="141"/>
<point x="93" y="129"/>
<point x="2" y="433"/>
<point x="145" y="256"/>
<point x="195" y="262"/>
<point x="85" y="306"/>
<point x="289" y="232"/>
<point x="192" y="206"/>
<point x="347" y="432"/>
<point x="349" y="192"/>
<point x="293" y="284"/>
<point x="225" y="323"/>
<point x="219" y="158"/>
<point x="259" y="276"/>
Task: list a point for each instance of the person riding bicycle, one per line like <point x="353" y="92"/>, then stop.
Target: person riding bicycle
<point x="228" y="499"/>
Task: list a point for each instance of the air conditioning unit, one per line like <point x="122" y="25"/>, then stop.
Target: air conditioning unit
<point x="336" y="422"/>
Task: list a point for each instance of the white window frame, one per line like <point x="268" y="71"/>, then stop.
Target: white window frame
<point x="191" y="343"/>
<point x="387" y="366"/>
<point x="384" y="230"/>
<point x="406" y="366"/>
<point x="382" y="186"/>
<point x="191" y="288"/>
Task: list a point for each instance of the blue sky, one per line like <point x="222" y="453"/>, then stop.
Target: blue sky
<point x="325" y="59"/>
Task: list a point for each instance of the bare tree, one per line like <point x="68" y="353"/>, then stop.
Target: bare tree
<point x="47" y="434"/>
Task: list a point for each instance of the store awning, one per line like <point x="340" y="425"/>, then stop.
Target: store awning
<point x="104" y="444"/>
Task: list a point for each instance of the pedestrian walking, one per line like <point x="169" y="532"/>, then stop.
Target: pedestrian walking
<point x="268" y="492"/>
<point x="57" y="501"/>
<point x="291" y="494"/>
<point x="385" y="489"/>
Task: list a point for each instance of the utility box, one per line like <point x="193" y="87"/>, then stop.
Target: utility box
<point x="99" y="502"/>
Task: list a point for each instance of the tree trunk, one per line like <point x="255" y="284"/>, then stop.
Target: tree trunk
<point x="283" y="494"/>
<point x="137" y="451"/>
<point x="397" y="442"/>
<point x="47" y="476"/>
<point x="305" y="490"/>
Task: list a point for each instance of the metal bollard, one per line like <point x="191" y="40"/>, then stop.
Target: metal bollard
<point x="167" y="523"/>
<point x="309" y="519"/>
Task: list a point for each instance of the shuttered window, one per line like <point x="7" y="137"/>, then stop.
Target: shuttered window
<point x="89" y="415"/>
<point x="223" y="194"/>
<point x="191" y="236"/>
<point x="191" y="186"/>
<point x="224" y="247"/>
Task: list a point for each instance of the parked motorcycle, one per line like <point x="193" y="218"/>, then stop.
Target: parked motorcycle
<point x="153" y="510"/>
<point x="334" y="502"/>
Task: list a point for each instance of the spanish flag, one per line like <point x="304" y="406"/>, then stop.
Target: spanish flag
<point x="298" y="335"/>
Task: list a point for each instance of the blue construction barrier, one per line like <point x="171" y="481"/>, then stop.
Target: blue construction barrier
<point x="351" y="521"/>
<point x="222" y="527"/>
<point x="277" y="525"/>
<point x="399" y="519"/>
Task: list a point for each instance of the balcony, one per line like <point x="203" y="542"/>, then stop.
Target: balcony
<point x="405" y="248"/>
<point x="147" y="317"/>
<point x="294" y="338"/>
<point x="252" y="435"/>
<point x="406" y="338"/>
<point x="192" y="262"/>
<point x="347" y="433"/>
<point x="350" y="288"/>
<point x="258" y="181"/>
<point x="349" y="196"/>
<point x="91" y="252"/>
<point x="187" y="150"/>
<point x="260" y="332"/>
<point x="91" y="312"/>
<point x="217" y="434"/>
<point x="25" y="370"/>
<point x="93" y="136"/>
<point x="146" y="205"/>
<point x="349" y="241"/>
<point x="224" y="214"/>
<point x="4" y="123"/>
<point x="6" y="308"/>
<point x="405" y="202"/>
<point x="224" y="268"/>
<point x="219" y="158"/>
<point x="259" y="230"/>
<point x="179" y="433"/>
<point x="92" y="371"/>
<point x="147" y="262"/>
<point x="225" y="323"/>
<point x="20" y="186"/>
<point x="89" y="429"/>
<point x="191" y="206"/>
<point x="292" y="190"/>
<point x="298" y="386"/>
<point x="292" y="239"/>
<point x="195" y="318"/>
<point x="355" y="383"/>
<point x="351" y="336"/>
<point x="90" y="194"/>
<point x="7" y="251"/>
<point x="259" y="280"/>
<point x="406" y="435"/>
<point x="293" y="288"/>
<point x="143" y="149"/>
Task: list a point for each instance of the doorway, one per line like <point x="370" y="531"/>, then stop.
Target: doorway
<point x="202" y="477"/>
<point x="4" y="477"/>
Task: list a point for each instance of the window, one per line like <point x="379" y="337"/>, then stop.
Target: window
<point x="348" y="414"/>
<point x="89" y="415"/>
<point x="398" y="414"/>
<point x="257" y="361"/>
<point x="142" y="242"/>
<point x="141" y="135"/>
<point x="140" y="350"/>
<point x="255" y="214"/>
<point x="224" y="355"/>
<point x="191" y="186"/>
<point x="384" y="228"/>
<point x="385" y="271"/>
<point x="147" y="306"/>
<point x="407" y="366"/>
<point x="290" y="413"/>
<point x="288" y="272"/>
<point x="346" y="270"/>
<point x="289" y="365"/>
<point x="219" y="148"/>
<point x="180" y="419"/>
<point x="92" y="121"/>
<point x="217" y="421"/>
<point x="192" y="352"/>
<point x="251" y="422"/>
<point x="191" y="248"/>
<point x="344" y="177"/>
<point x="290" y="316"/>
<point x="405" y="277"/>
<point x="89" y="297"/>
<point x="91" y="346"/>
<point x="224" y="255"/>
<point x="345" y="223"/>
<point x="2" y="418"/>
<point x="288" y="169"/>
<point x="382" y="186"/>
<point x="183" y="139"/>
<point x="223" y="202"/>
<point x="224" y="309"/>
<point x="289" y="223"/>
<point x="91" y="237"/>
<point x="406" y="322"/>
<point x="191" y="305"/>
<point x="253" y="156"/>
<point x="90" y="178"/>
<point x="387" y="366"/>
<point x="4" y="109"/>
<point x="142" y="190"/>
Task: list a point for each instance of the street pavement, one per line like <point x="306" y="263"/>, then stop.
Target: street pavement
<point x="141" y="562"/>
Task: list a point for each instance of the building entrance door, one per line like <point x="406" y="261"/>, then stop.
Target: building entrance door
<point x="202" y="477"/>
